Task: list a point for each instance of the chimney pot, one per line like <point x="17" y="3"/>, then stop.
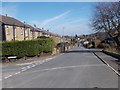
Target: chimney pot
<point x="6" y="14"/>
<point x="34" y="25"/>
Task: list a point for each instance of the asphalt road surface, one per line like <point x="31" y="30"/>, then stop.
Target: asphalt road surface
<point x="78" y="68"/>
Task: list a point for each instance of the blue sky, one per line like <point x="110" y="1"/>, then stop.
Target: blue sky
<point x="64" y="18"/>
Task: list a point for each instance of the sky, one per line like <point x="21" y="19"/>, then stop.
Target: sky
<point x="63" y="18"/>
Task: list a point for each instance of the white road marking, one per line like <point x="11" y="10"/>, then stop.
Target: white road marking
<point x="18" y="72"/>
<point x="23" y="68"/>
<point x="75" y="66"/>
<point x="8" y="76"/>
<point x="28" y="67"/>
<point x="66" y="67"/>
<point x="33" y="65"/>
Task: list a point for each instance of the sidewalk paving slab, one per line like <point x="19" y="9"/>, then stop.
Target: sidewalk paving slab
<point x="113" y="62"/>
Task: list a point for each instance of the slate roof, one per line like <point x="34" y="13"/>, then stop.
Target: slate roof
<point x="31" y="27"/>
<point x="10" y="21"/>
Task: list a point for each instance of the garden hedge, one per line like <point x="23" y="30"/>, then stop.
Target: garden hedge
<point x="26" y="48"/>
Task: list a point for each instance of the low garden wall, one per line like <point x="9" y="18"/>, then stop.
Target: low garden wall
<point x="116" y="55"/>
<point x="62" y="47"/>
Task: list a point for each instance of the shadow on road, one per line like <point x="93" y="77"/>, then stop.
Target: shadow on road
<point x="82" y="51"/>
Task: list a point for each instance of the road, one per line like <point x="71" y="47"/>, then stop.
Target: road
<point x="77" y="68"/>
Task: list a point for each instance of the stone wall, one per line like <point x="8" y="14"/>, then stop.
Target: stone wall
<point x="9" y="33"/>
<point x="60" y="50"/>
<point x="19" y="33"/>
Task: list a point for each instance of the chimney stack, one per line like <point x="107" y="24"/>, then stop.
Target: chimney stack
<point x="6" y="15"/>
<point x="34" y="25"/>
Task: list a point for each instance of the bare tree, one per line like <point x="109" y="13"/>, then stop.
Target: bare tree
<point x="106" y="18"/>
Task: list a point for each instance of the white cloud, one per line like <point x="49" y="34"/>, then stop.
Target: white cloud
<point x="73" y="27"/>
<point x="73" y="22"/>
<point x="55" y="18"/>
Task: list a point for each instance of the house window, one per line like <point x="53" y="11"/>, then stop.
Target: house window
<point x="15" y="32"/>
<point x="31" y="33"/>
<point x="22" y="30"/>
<point x="7" y="30"/>
<point x="26" y="32"/>
<point x="38" y="33"/>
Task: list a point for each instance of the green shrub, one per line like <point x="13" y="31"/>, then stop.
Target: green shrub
<point x="27" y="47"/>
<point x="42" y="37"/>
<point x="103" y="45"/>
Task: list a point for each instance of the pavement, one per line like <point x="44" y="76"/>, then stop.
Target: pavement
<point x="114" y="63"/>
<point x="77" y="68"/>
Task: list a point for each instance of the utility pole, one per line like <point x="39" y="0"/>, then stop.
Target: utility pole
<point x="63" y="39"/>
<point x="63" y="33"/>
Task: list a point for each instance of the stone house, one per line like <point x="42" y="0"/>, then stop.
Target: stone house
<point x="34" y="32"/>
<point x="37" y="32"/>
<point x="13" y="29"/>
<point x="45" y="33"/>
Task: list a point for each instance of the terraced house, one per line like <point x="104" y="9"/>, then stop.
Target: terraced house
<point x="13" y="29"/>
<point x="34" y="32"/>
